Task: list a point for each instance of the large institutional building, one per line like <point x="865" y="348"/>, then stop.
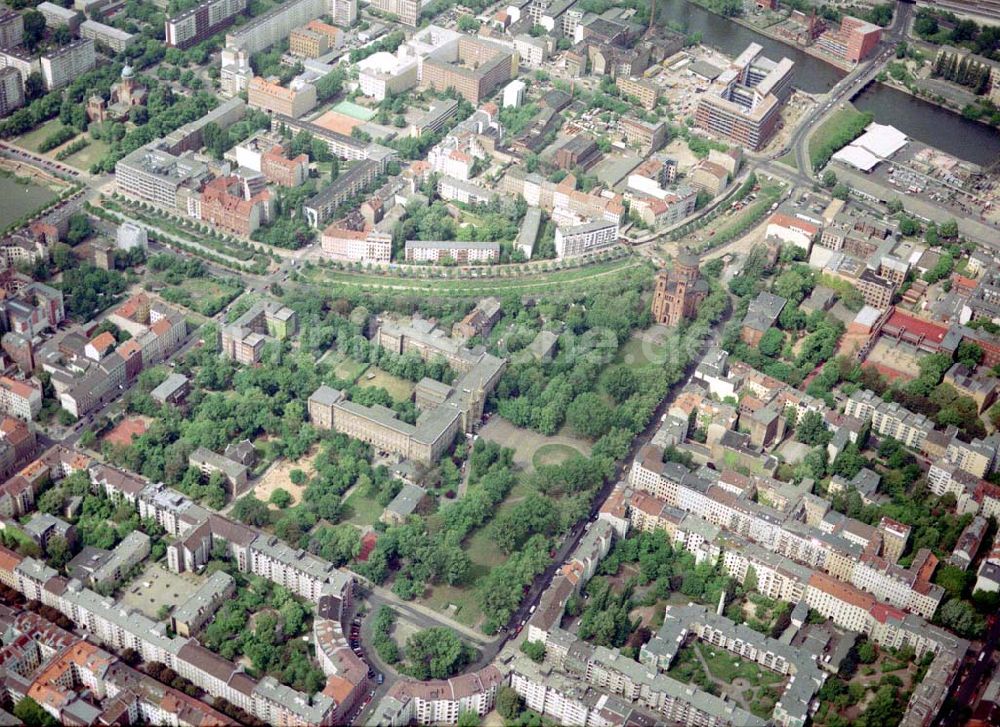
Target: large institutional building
<point x="744" y="103"/>
<point x="473" y="67"/>
<point x="446" y="410"/>
<point x="679" y="291"/>
<point x="296" y="100"/>
<point x="853" y="41"/>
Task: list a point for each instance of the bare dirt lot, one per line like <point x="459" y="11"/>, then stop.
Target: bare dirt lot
<point x="278" y="475"/>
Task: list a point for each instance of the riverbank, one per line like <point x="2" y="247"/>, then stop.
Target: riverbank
<point x="932" y="98"/>
<point x="931" y="124"/>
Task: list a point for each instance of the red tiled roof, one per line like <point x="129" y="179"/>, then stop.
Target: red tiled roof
<point x="779" y="218"/>
<point x="917" y="326"/>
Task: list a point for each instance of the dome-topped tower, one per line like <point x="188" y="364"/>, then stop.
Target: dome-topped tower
<point x="127" y="72"/>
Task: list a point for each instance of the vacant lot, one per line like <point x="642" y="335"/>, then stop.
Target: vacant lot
<point x="33" y="139"/>
<point x="203" y="295"/>
<point x="278" y="475"/>
<point x="17" y="199"/>
<point x="84" y="158"/>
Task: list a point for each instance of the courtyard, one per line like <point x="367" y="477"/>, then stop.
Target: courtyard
<point x="157" y="586"/>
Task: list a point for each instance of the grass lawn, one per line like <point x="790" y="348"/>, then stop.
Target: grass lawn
<point x="591" y="277"/>
<point x="726" y="667"/>
<point x="789" y="160"/>
<point x="552" y="454"/>
<point x="840" y="128"/>
<point x="32" y="139"/>
<point x="466" y="611"/>
<point x="349" y="369"/>
<point x="644" y="347"/>
<point x="361" y="510"/>
<point x="206" y="295"/>
<point x="84" y="158"/>
<point x="399" y="389"/>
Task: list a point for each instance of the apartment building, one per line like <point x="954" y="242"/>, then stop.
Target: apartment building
<point x="877" y="291"/>
<point x="533" y="52"/>
<point x="315" y="39"/>
<point x="243" y="340"/>
<point x="458" y="190"/>
<point x="11" y="90"/>
<point x="25" y="63"/>
<point x="743" y="104"/>
<point x="322" y="206"/>
<point x="56" y="16"/>
<point x="648" y="93"/>
<point x="132" y="550"/>
<point x="853" y="41"/>
<point x="352" y="246"/>
<point x="188" y="618"/>
<point x="645" y="136"/>
<point x="62" y="65"/>
<point x="673" y="207"/>
<point x="295" y="101"/>
<point x="408" y="11"/>
<point x="157" y="331"/>
<point x="275" y="25"/>
<point x="585" y="239"/>
<point x="230" y="205"/>
<point x="438" y="114"/>
<point x="563" y="200"/>
<point x="344" y="12"/>
<point x="279" y="169"/>
<point x="440" y="701"/>
<point x="208" y="463"/>
<point x="107" y="35"/>
<point x="459" y="252"/>
<point x="978" y="457"/>
<point x="889" y="418"/>
<point x="472" y="66"/>
<point x="12" y="27"/>
<point x="19" y="399"/>
<point x="199" y="23"/>
<point x="120" y="628"/>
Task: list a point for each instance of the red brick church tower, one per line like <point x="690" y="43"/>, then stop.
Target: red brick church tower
<point x="679" y="291"/>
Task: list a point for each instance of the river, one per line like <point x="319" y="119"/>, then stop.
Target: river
<point x="931" y="124"/>
<point x="918" y="119"/>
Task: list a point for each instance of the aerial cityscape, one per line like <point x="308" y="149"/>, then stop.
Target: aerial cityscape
<point x="601" y="363"/>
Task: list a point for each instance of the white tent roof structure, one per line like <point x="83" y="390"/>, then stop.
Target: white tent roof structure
<point x="857" y="157"/>
<point x="881" y="140"/>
